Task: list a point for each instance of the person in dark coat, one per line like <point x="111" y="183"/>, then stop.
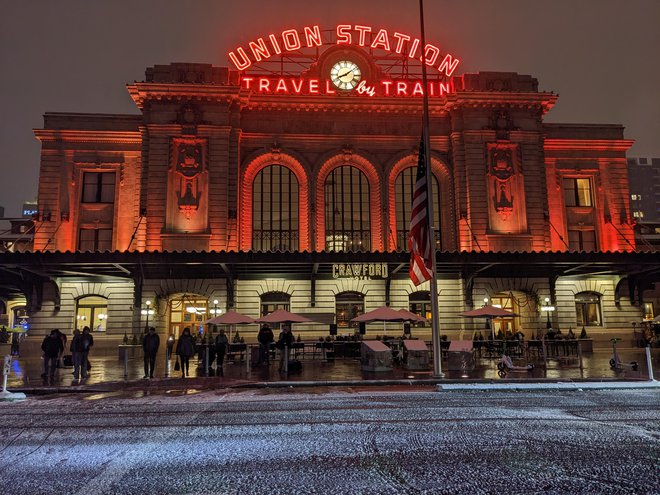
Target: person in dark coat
<point x="185" y="348"/>
<point x="221" y="346"/>
<point x="265" y="338"/>
<point x="63" y="338"/>
<point x="52" y="347"/>
<point x="76" y="353"/>
<point x="150" y="347"/>
<point x="87" y="341"/>
<point x="284" y="343"/>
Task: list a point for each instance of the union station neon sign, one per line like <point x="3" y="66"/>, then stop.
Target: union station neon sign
<point x="345" y="75"/>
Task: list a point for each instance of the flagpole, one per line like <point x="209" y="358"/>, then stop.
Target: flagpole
<point x="435" y="322"/>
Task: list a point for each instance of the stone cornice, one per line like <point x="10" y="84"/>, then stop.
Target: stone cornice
<point x="80" y="136"/>
<point x="588" y="144"/>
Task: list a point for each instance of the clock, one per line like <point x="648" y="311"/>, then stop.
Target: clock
<point x="345" y="74"/>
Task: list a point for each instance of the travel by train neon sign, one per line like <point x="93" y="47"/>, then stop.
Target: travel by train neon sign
<point x="345" y="75"/>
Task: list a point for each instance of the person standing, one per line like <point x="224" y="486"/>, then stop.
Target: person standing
<point x="221" y="346"/>
<point x="265" y="338"/>
<point x="150" y="347"/>
<point x="76" y="353"/>
<point x="185" y="348"/>
<point x="87" y="341"/>
<point x="284" y="343"/>
<point x="52" y="347"/>
<point x="63" y="338"/>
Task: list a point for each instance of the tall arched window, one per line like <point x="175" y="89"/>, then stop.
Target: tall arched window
<point x="348" y="306"/>
<point x="275" y="210"/>
<point x="92" y="312"/>
<point x="587" y="309"/>
<point x="403" y="192"/>
<point x="271" y="301"/>
<point x="347" y="210"/>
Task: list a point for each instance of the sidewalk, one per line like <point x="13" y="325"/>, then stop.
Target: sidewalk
<point x="107" y="374"/>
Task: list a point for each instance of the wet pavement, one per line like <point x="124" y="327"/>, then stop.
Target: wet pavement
<point x="290" y="441"/>
<point x="108" y="372"/>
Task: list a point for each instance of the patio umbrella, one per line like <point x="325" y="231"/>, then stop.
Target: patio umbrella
<point x="412" y="316"/>
<point x="282" y="316"/>
<point x="384" y="314"/>
<point x="489" y="312"/>
<point x="230" y="318"/>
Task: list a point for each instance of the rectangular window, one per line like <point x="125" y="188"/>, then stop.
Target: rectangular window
<point x="95" y="240"/>
<point x="98" y="187"/>
<point x="582" y="240"/>
<point x="577" y="192"/>
<point x="587" y="308"/>
<point x="648" y="311"/>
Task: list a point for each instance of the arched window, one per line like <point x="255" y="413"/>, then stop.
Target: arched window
<point x="347" y="210"/>
<point x="92" y="312"/>
<point x="404" y="188"/>
<point x="274" y="300"/>
<point x="507" y="325"/>
<point x="587" y="309"/>
<point x="420" y="304"/>
<point x="275" y="210"/>
<point x="348" y="305"/>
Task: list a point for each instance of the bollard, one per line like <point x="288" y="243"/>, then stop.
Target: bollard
<point x="247" y="357"/>
<point x="649" y="364"/>
<point x="579" y="349"/>
<point x="286" y="359"/>
<point x="167" y="362"/>
<point x="206" y="361"/>
<point x="6" y="394"/>
<point x="125" y="363"/>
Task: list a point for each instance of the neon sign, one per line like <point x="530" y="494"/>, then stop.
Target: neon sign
<point x="291" y="40"/>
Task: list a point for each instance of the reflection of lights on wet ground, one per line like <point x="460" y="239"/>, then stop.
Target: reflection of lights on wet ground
<point x="16" y="366"/>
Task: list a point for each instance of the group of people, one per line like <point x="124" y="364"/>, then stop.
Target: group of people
<point x="53" y="347"/>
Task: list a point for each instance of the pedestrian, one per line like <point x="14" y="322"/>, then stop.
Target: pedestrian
<point x="150" y="347"/>
<point x="221" y="346"/>
<point x="63" y="338"/>
<point x="185" y="348"/>
<point x="87" y="341"/>
<point x="52" y="347"/>
<point x="76" y="353"/>
<point x="284" y="343"/>
<point x="265" y="338"/>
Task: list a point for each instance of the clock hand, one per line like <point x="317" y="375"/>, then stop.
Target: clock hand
<point x="342" y="74"/>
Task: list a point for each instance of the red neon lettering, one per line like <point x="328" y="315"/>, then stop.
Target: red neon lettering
<point x="417" y="89"/>
<point x="401" y="88"/>
<point x="247" y="81"/>
<point x="363" y="88"/>
<point x="344" y="34"/>
<point x="413" y="48"/>
<point x="281" y="87"/>
<point x="435" y="52"/>
<point x="276" y="45"/>
<point x="448" y="65"/>
<point x="363" y="30"/>
<point x="444" y="88"/>
<point x="328" y="88"/>
<point x="381" y="40"/>
<point x="264" y="84"/>
<point x="297" y="87"/>
<point x="431" y="89"/>
<point x="291" y="39"/>
<point x="401" y="38"/>
<point x="314" y="86"/>
<point x="242" y="64"/>
<point x="313" y="36"/>
<point x="386" y="87"/>
<point x="259" y="49"/>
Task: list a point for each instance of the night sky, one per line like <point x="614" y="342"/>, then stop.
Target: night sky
<point x="600" y="56"/>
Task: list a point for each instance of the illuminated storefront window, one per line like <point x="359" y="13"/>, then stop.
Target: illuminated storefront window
<point x="420" y="304"/>
<point x="348" y="305"/>
<point x="275" y="210"/>
<point x="347" y="210"/>
<point x="403" y="190"/>
<point x="587" y="308"/>
<point x="92" y="312"/>
<point x="189" y="311"/>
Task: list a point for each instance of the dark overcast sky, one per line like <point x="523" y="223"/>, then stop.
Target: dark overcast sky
<point x="600" y="56"/>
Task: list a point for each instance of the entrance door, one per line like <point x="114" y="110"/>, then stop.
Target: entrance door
<point x="187" y="311"/>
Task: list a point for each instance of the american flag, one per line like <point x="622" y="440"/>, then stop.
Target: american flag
<point x="419" y="238"/>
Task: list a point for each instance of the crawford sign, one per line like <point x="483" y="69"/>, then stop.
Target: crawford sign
<point x="359" y="270"/>
<point x="349" y="73"/>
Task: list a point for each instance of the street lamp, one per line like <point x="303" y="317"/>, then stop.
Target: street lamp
<point x="148" y="311"/>
<point x="548" y="309"/>
<point x="215" y="311"/>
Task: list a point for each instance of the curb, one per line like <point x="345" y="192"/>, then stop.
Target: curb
<point x="576" y="386"/>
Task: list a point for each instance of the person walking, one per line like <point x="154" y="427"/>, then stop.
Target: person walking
<point x="76" y="353"/>
<point x="284" y="343"/>
<point x="221" y="346"/>
<point x="150" y="347"/>
<point x="185" y="348"/>
<point x="52" y="347"/>
<point x="87" y="341"/>
<point x="265" y="338"/>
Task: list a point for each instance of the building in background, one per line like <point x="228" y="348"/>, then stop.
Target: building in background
<point x="644" y="178"/>
<point x="288" y="184"/>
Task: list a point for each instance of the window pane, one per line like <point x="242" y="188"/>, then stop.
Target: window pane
<point x="569" y="192"/>
<point x="87" y="239"/>
<point x="584" y="193"/>
<point x="275" y="210"/>
<point x="90" y="187"/>
<point x="347" y="210"/>
<point x="107" y="187"/>
<point x="404" y="188"/>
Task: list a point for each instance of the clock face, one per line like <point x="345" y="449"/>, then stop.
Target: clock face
<point x="345" y="74"/>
